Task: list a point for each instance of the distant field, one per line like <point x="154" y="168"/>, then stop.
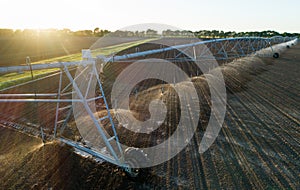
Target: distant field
<point x="12" y="79"/>
<point x="13" y="51"/>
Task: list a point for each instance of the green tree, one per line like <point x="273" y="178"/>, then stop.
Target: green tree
<point x="151" y="32"/>
<point x="96" y="31"/>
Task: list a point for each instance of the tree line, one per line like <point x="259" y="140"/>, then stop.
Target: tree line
<point x="222" y="34"/>
<point x="97" y="32"/>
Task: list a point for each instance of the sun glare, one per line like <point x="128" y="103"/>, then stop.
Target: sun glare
<point x="42" y="14"/>
<point x="116" y="14"/>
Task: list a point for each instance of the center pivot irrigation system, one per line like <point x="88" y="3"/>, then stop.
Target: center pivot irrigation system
<point x="224" y="49"/>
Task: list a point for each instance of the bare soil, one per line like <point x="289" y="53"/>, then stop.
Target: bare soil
<point x="257" y="148"/>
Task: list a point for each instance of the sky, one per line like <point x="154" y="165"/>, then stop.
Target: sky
<point x="226" y="15"/>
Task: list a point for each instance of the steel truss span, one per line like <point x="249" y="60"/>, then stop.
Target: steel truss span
<point x="223" y="49"/>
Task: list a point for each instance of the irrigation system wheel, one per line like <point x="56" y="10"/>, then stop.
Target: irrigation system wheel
<point x="133" y="158"/>
<point x="276" y="55"/>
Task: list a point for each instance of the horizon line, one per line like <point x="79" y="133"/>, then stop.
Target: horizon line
<point x="74" y="30"/>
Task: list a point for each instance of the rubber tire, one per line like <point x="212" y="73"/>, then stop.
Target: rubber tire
<point x="276" y="55"/>
<point x="134" y="156"/>
<point x="287" y="46"/>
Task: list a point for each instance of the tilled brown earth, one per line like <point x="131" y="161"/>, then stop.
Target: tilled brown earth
<point x="257" y="148"/>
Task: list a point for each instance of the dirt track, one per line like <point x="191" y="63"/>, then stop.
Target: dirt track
<point x="258" y="147"/>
